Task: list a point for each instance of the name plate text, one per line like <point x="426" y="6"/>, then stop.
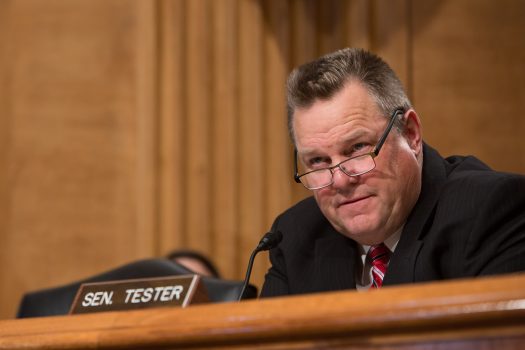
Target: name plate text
<point x="139" y="294"/>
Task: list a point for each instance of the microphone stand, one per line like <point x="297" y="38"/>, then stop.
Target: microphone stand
<point x="269" y="241"/>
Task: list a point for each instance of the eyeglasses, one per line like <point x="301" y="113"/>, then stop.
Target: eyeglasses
<point x="354" y="166"/>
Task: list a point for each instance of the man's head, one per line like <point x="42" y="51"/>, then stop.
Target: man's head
<point x="339" y="106"/>
<point x="195" y="262"/>
<point x="322" y="78"/>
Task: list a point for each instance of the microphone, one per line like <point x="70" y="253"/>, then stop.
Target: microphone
<point x="269" y="241"/>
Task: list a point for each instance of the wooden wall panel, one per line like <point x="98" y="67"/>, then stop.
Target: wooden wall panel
<point x="132" y="128"/>
<point x="199" y="122"/>
<point x="277" y="62"/>
<point x="359" y="22"/>
<point x="251" y="128"/>
<point x="332" y="19"/>
<point x="469" y="75"/>
<point x="6" y="52"/>
<point x="172" y="125"/>
<point x="146" y="100"/>
<point x="77" y="162"/>
<point x="224" y="163"/>
<point x="303" y="24"/>
<point x="390" y="36"/>
<point x="303" y="43"/>
<point x="277" y="151"/>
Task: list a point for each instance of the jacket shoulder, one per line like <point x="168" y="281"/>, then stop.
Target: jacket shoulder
<point x="303" y="217"/>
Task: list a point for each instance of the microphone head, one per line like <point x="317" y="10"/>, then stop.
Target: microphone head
<point x="270" y="240"/>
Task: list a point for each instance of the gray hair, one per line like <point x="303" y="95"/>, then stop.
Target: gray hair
<point x="324" y="77"/>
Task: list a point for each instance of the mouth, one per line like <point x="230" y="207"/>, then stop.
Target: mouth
<point x="353" y="201"/>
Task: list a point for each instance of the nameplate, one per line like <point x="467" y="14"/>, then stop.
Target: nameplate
<point x="139" y="294"/>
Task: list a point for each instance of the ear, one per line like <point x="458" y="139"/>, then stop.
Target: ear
<point x="413" y="132"/>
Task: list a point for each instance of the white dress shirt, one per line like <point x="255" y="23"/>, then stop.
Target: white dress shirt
<point x="363" y="273"/>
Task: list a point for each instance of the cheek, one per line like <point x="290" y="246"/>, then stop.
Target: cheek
<point x="401" y="182"/>
<point x="324" y="199"/>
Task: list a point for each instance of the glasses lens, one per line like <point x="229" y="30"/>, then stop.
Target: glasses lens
<point x="323" y="177"/>
<point x="358" y="165"/>
<point x="317" y="179"/>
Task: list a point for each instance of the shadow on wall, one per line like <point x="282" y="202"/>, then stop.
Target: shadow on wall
<point x="328" y="24"/>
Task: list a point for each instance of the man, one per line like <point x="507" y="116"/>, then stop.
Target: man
<point x="194" y="261"/>
<point x="387" y="208"/>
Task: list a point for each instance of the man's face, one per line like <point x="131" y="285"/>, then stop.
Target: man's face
<point x="370" y="207"/>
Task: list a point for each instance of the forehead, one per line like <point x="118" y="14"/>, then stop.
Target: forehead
<point x="351" y="110"/>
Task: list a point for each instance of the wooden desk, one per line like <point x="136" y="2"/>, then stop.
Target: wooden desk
<point x="470" y="314"/>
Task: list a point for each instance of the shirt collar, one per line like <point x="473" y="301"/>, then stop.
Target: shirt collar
<point x="391" y="242"/>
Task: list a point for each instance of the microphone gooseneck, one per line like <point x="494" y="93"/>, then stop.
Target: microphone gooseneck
<point x="269" y="241"/>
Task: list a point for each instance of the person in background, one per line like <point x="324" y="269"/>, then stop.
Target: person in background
<point x="195" y="262"/>
<point x="386" y="208"/>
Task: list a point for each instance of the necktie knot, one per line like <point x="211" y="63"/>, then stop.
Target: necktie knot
<point x="379" y="256"/>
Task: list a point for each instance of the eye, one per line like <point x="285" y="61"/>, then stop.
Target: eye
<point x="359" y="148"/>
<point x="316" y="162"/>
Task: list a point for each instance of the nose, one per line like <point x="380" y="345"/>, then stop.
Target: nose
<point x="341" y="180"/>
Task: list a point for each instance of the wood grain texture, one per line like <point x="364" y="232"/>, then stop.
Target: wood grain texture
<point x="251" y="130"/>
<point x="172" y="128"/>
<point x="390" y="36"/>
<point x="6" y="51"/>
<point x="468" y="76"/>
<point x="469" y="314"/>
<point x="225" y="151"/>
<point x="80" y="141"/>
<point x="132" y="128"/>
<point x="147" y="123"/>
<point x="304" y="45"/>
<point x="199" y="114"/>
<point x="277" y="151"/>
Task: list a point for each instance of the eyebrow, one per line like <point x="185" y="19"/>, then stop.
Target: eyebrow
<point x="353" y="135"/>
<point x="346" y="139"/>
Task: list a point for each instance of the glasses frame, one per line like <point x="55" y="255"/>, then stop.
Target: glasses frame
<point x="373" y="154"/>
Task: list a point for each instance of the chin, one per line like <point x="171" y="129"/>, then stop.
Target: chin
<point x="361" y="231"/>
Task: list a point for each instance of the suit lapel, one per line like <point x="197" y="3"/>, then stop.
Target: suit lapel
<point x="334" y="265"/>
<point x="402" y="263"/>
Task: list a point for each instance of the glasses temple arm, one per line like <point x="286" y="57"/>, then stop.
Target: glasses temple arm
<point x="296" y="170"/>
<point x="382" y="140"/>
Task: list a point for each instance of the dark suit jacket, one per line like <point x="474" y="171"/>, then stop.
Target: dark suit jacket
<point x="468" y="221"/>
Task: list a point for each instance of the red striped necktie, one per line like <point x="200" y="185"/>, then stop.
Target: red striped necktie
<point x="378" y="255"/>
